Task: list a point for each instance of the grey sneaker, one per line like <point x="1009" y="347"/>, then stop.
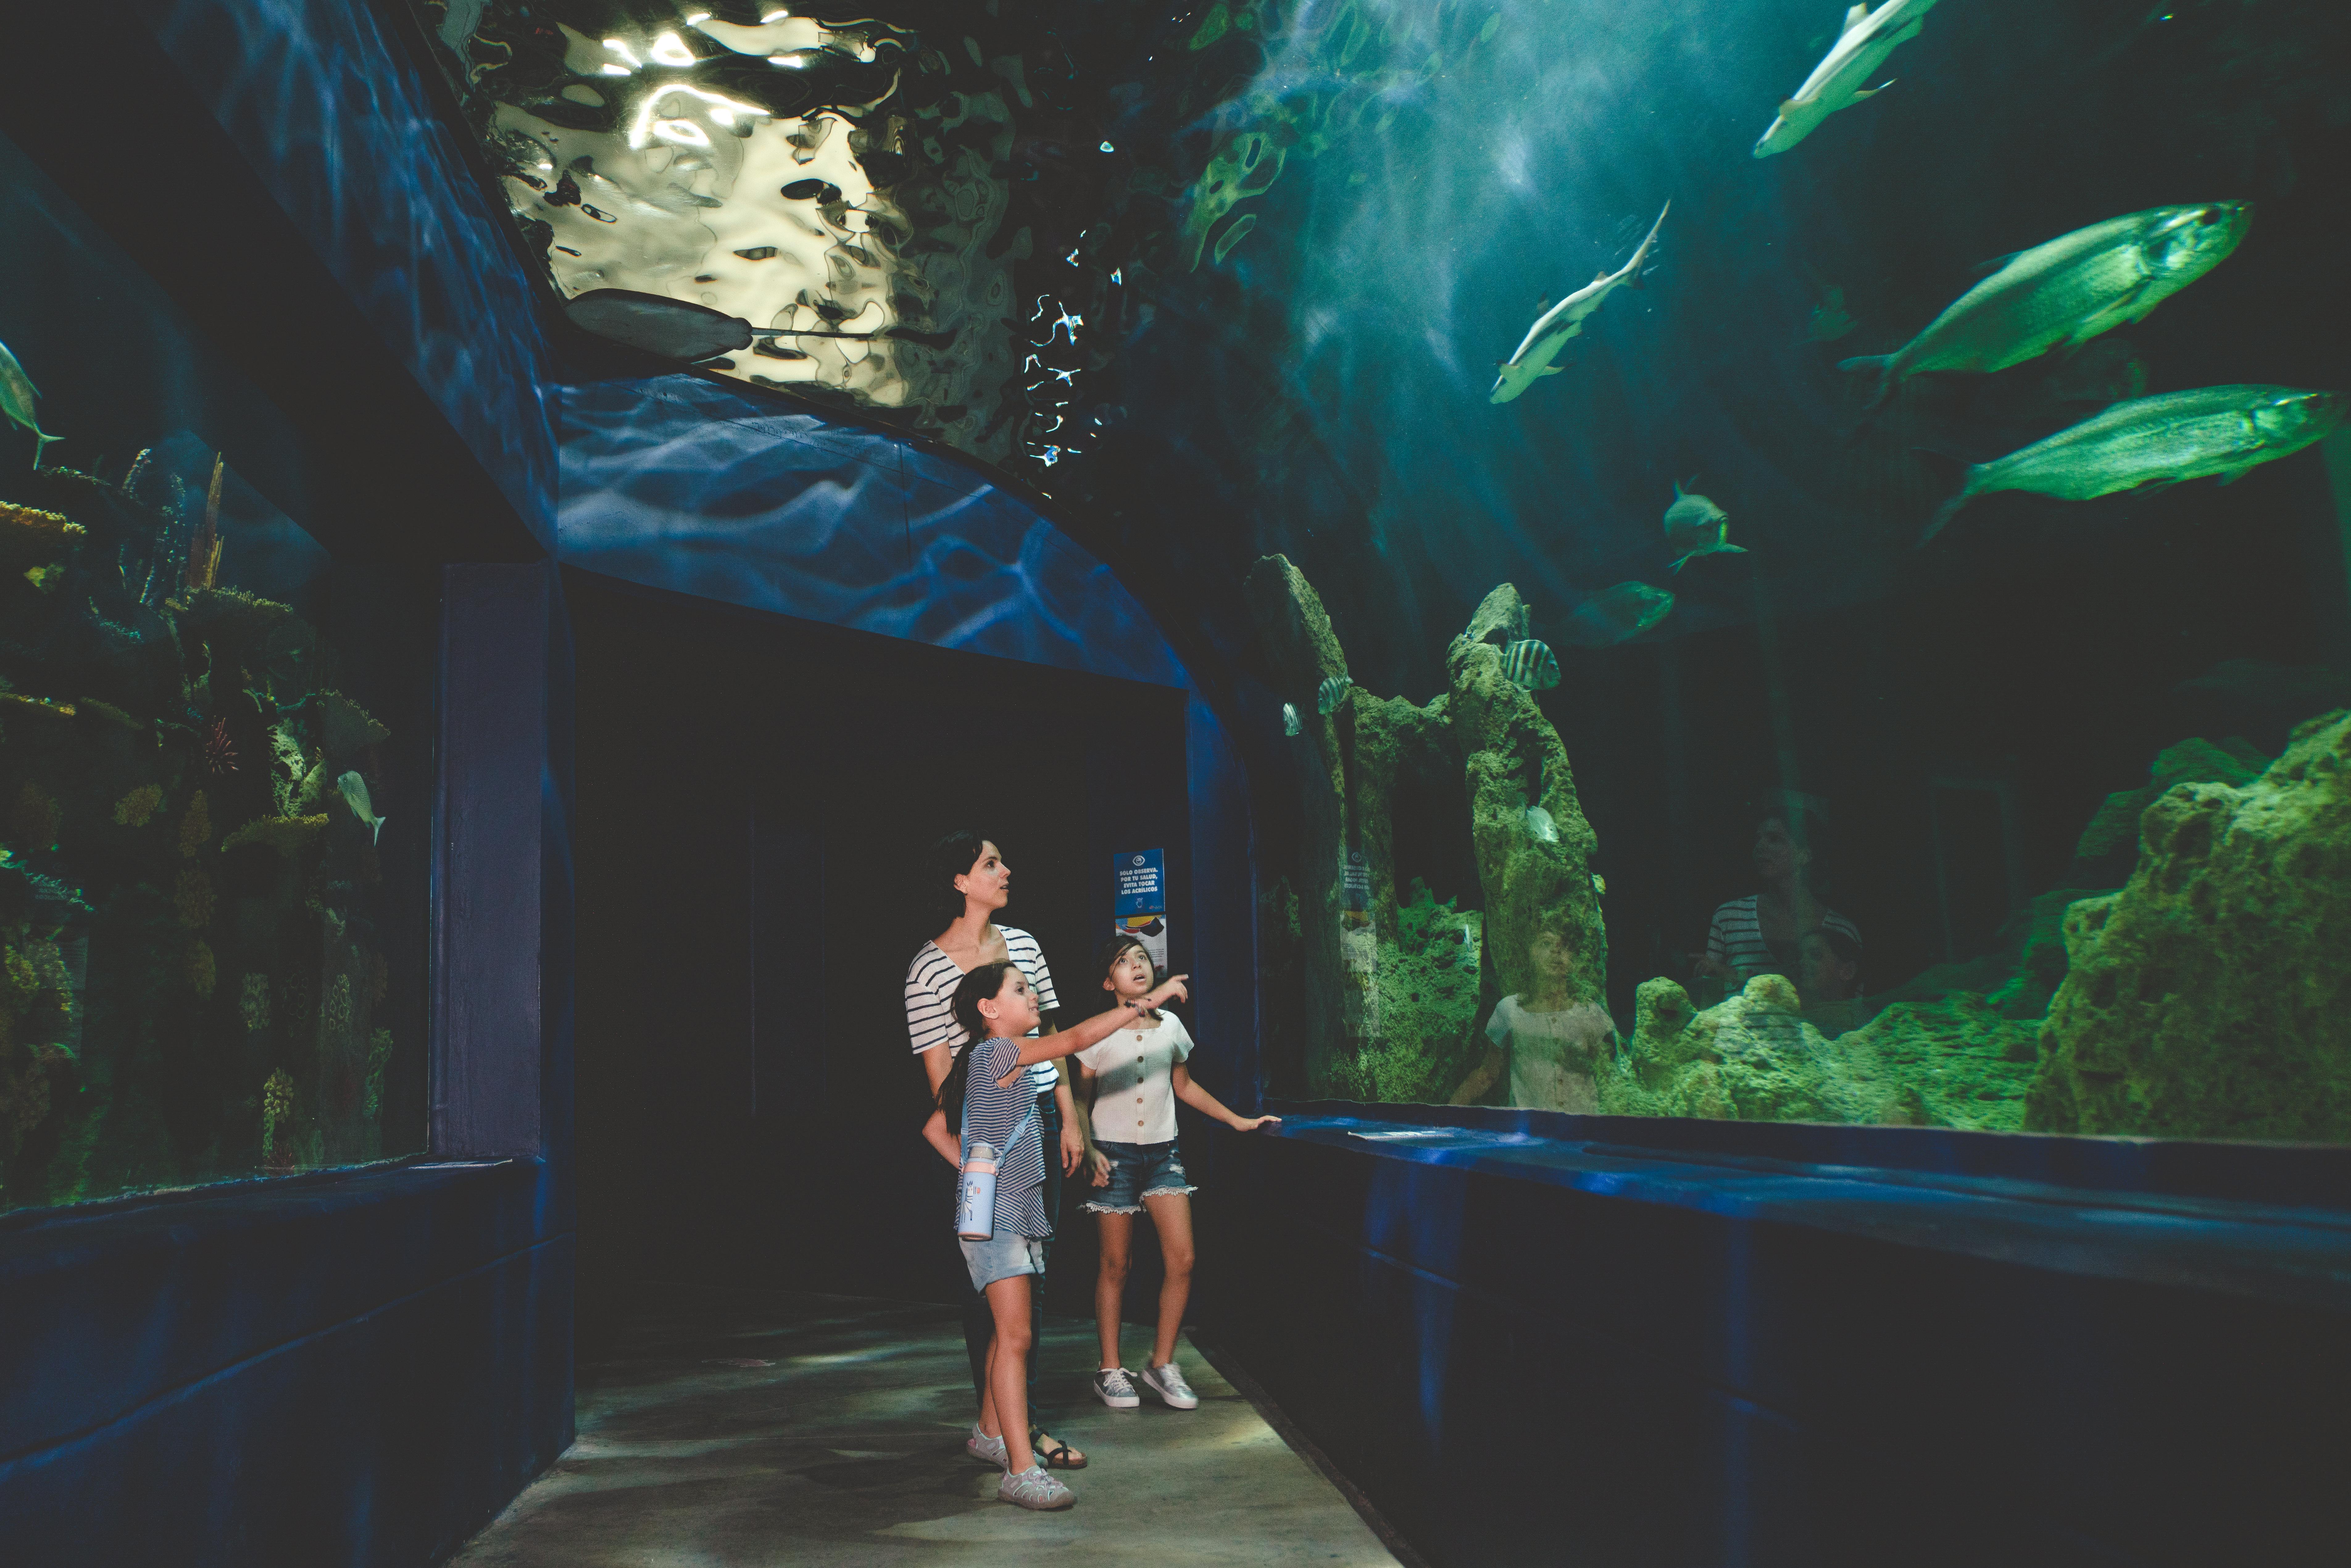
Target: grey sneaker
<point x="1033" y="1488"/>
<point x="1167" y="1381"/>
<point x="982" y="1447"/>
<point x="1114" y="1386"/>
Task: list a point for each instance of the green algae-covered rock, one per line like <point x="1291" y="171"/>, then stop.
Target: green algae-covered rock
<point x="1954" y="1061"/>
<point x="2212" y="996"/>
<point x="2113" y="831"/>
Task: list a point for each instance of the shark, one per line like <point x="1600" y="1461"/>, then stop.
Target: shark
<point x="1564" y="320"/>
<point x="1862" y="45"/>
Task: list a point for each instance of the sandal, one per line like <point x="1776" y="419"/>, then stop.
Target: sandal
<point x="1059" y="1457"/>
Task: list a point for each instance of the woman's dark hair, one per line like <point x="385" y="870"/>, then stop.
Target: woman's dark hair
<point x="981" y="985"/>
<point x="1807" y="828"/>
<point x="1115" y="948"/>
<point x="952" y="856"/>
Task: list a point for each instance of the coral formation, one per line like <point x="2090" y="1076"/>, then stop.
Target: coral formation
<point x="253" y="1002"/>
<point x="36" y="822"/>
<point x="133" y="810"/>
<point x="192" y="896"/>
<point x="2209" y="996"/>
<point x="197" y="826"/>
<point x="287" y="835"/>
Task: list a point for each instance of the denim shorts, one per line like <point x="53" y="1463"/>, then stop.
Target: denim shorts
<point x="1138" y="1171"/>
<point x="1002" y="1258"/>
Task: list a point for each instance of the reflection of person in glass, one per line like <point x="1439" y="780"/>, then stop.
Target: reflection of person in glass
<point x="1761" y="934"/>
<point x="1829" y="984"/>
<point x="1548" y="1044"/>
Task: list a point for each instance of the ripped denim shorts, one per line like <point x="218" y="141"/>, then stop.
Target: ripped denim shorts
<point x="1138" y="1171"/>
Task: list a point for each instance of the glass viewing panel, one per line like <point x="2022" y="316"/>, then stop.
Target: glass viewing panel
<point x="1711" y="642"/>
<point x="213" y="759"/>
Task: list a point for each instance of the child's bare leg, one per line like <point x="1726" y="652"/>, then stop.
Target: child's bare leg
<point x="1171" y="1212"/>
<point x="1109" y="1283"/>
<point x="989" y="1425"/>
<point x="1007" y="1370"/>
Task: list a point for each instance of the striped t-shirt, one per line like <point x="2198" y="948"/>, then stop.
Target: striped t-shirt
<point x="931" y="982"/>
<point x="1001" y="1115"/>
<point x="1736" y="939"/>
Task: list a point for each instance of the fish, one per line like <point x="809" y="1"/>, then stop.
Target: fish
<point x="2066" y="292"/>
<point x="20" y="400"/>
<point x="1530" y="664"/>
<point x="1289" y="725"/>
<point x="1862" y="45"/>
<point x="1333" y="695"/>
<point x="2157" y="442"/>
<point x="1614" y="614"/>
<point x="1564" y="320"/>
<point x="1540" y="827"/>
<point x="1830" y="319"/>
<point x="1694" y="525"/>
<point x="354" y="791"/>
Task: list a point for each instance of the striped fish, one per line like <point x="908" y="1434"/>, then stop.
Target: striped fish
<point x="1333" y="695"/>
<point x="1289" y="725"/>
<point x="1530" y="664"/>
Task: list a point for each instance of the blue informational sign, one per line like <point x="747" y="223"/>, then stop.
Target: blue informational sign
<point x="1141" y="876"/>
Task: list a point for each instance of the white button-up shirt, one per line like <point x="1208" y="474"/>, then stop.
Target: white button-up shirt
<point x="1135" y="1097"/>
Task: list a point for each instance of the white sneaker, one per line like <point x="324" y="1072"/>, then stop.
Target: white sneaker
<point x="1114" y="1386"/>
<point x="1167" y="1381"/>
<point x="1033" y="1488"/>
<point x="981" y="1447"/>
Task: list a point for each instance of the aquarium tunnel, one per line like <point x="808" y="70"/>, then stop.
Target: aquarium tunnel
<point x="1718" y="637"/>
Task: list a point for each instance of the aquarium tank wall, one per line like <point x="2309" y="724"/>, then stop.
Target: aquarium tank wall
<point x="213" y="757"/>
<point x="1766" y="562"/>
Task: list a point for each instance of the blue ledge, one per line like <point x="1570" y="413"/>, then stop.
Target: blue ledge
<point x="2277" y="1252"/>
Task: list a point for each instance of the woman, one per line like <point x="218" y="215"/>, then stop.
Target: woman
<point x="967" y="884"/>
<point x="1762" y="934"/>
<point x="1549" y="1048"/>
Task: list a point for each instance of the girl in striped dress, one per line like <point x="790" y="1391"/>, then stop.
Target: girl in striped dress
<point x="987" y="1095"/>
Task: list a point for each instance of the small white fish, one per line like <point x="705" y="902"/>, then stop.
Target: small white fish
<point x="20" y="400"/>
<point x="1540" y="827"/>
<point x="1564" y="320"/>
<point x="354" y="791"/>
<point x="1694" y="525"/>
<point x="1862" y="45"/>
<point x="1290" y="724"/>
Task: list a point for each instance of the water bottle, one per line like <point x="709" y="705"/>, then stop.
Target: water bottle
<point x="976" y="1215"/>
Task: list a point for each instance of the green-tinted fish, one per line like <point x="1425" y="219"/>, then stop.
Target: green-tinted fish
<point x="1696" y="526"/>
<point x="1530" y="664"/>
<point x="1289" y="725"/>
<point x="1540" y="826"/>
<point x="1613" y="614"/>
<point x="20" y="400"/>
<point x="1333" y="695"/>
<point x="354" y="791"/>
<point x="2159" y="441"/>
<point x="2067" y="291"/>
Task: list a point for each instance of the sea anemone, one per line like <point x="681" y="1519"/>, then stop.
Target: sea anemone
<point x="219" y="752"/>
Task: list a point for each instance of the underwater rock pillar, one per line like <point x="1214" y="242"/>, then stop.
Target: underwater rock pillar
<point x="1535" y="870"/>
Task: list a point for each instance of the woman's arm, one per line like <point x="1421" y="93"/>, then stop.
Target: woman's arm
<point x="936" y="1131"/>
<point x="1207" y="1104"/>
<point x="1101" y="1026"/>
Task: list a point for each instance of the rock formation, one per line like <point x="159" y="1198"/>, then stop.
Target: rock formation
<point x="1387" y="1011"/>
<point x="2212" y="996"/>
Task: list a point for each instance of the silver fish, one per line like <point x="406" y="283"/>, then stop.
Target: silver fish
<point x="2159" y="441"/>
<point x="1333" y="695"/>
<point x="1530" y="664"/>
<point x="20" y="400"/>
<point x="1862" y="45"/>
<point x="1289" y="725"/>
<point x="1613" y="614"/>
<point x="2067" y="291"/>
<point x="1564" y="320"/>
<point x="1540" y="827"/>
<point x="1694" y="525"/>
<point x="354" y="791"/>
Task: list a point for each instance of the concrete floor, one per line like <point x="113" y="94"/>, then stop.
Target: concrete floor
<point x="839" y="1442"/>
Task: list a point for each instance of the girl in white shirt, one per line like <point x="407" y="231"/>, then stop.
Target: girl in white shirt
<point x="1128" y="1085"/>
